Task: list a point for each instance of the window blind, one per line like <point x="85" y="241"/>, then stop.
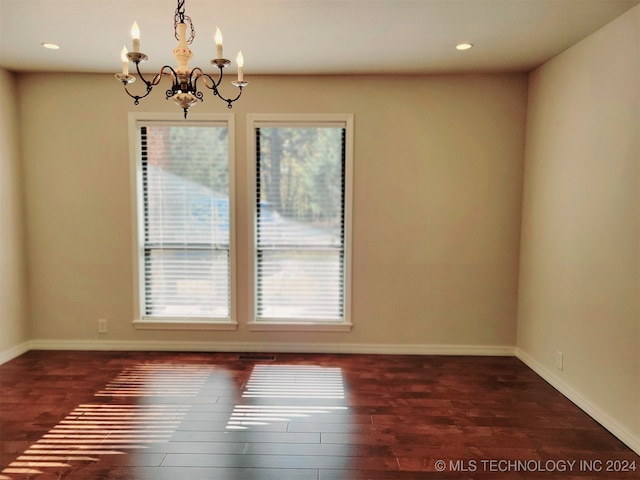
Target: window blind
<point x="300" y="223"/>
<point x="185" y="207"/>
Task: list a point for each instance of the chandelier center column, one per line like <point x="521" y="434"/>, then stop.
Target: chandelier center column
<point x="182" y="52"/>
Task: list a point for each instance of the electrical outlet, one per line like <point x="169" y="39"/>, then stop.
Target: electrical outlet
<point x="102" y="325"/>
<point x="559" y="360"/>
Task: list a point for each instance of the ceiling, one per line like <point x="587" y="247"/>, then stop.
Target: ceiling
<point x="304" y="36"/>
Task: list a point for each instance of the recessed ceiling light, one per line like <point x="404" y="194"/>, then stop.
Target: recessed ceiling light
<point x="51" y="46"/>
<point x="464" y="46"/>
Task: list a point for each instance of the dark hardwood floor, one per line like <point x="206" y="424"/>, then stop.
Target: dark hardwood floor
<point x="206" y="416"/>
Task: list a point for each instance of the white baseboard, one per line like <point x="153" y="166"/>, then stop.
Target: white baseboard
<point x="346" y="348"/>
<point x="581" y="402"/>
<point x="14" y="352"/>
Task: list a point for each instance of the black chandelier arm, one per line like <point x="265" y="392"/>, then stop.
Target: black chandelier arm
<point x="158" y="76"/>
<point x="149" y="84"/>
<point x="205" y="77"/>
<point x="173" y="74"/>
<point x="136" y="98"/>
<point x="194" y="76"/>
<point x="214" y="86"/>
<point x="229" y="101"/>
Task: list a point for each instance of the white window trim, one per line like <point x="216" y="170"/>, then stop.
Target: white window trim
<point x="332" y="119"/>
<point x="178" y="323"/>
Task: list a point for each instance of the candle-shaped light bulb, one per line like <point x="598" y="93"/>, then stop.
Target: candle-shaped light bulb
<point x="218" y="38"/>
<point x="125" y="61"/>
<point x="135" y="35"/>
<point x="240" y="61"/>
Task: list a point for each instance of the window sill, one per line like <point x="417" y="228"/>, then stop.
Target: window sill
<point x="299" y="326"/>
<point x="179" y="324"/>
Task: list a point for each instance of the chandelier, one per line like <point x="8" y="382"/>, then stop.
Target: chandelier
<point x="185" y="82"/>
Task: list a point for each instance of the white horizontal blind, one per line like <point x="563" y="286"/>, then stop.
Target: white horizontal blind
<point x="300" y="223"/>
<point x="185" y="206"/>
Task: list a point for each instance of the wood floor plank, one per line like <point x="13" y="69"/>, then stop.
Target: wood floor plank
<point x="324" y="449"/>
<point x="246" y="437"/>
<point x="280" y="461"/>
<point x="213" y="448"/>
<point x="203" y="426"/>
<point x="200" y="473"/>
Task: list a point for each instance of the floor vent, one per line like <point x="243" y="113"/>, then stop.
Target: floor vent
<point x="257" y="357"/>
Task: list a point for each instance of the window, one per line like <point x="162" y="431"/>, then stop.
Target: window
<point x="184" y="222"/>
<point x="301" y="220"/>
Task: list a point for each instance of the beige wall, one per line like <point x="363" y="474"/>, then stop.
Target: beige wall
<point x="13" y="286"/>
<point x="579" y="281"/>
<point x="437" y="200"/>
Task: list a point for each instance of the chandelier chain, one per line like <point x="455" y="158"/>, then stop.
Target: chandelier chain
<point x="180" y="17"/>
